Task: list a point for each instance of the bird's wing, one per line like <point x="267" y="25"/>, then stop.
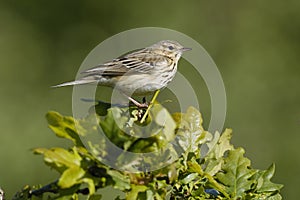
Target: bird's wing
<point x="136" y="62"/>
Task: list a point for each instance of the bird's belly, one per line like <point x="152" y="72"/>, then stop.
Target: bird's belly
<point x="141" y="84"/>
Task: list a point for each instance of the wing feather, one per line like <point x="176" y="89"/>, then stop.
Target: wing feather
<point x="135" y="62"/>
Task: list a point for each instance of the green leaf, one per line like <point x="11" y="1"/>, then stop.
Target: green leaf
<point x="217" y="148"/>
<point x="59" y="157"/>
<point x="121" y="181"/>
<point x="70" y="177"/>
<point x="193" y="119"/>
<point x="163" y="119"/>
<point x="264" y="183"/>
<point x="190" y="177"/>
<point x="149" y="195"/>
<point x="237" y="173"/>
<point x="101" y="108"/>
<point x="223" y="169"/>
<point x="194" y="166"/>
<point x="221" y="145"/>
<point x="112" y="129"/>
<point x="65" y="127"/>
<point x="119" y="198"/>
<point x="275" y="197"/>
<point x="95" y="197"/>
<point x="67" y="197"/>
<point x="134" y="192"/>
<point x="190" y="132"/>
<point x="90" y="183"/>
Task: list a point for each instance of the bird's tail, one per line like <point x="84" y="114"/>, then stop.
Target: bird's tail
<point x="76" y="82"/>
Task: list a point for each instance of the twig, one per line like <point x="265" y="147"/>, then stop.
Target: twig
<point x="54" y="188"/>
<point x="150" y="105"/>
<point x="51" y="187"/>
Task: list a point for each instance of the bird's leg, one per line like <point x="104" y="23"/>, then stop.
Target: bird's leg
<point x="135" y="102"/>
<point x="138" y="104"/>
<point x="150" y="105"/>
<point x="144" y="100"/>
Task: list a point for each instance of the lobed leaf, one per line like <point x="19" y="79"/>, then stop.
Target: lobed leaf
<point x="65" y="127"/>
<point x="236" y="173"/>
<point x="60" y="158"/>
<point x="223" y="173"/>
<point x="264" y="183"/>
<point x="190" y="132"/>
<point x="216" y="150"/>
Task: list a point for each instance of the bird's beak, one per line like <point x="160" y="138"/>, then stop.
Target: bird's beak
<point x="185" y="49"/>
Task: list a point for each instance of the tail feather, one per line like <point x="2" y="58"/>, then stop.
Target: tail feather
<point x="76" y="82"/>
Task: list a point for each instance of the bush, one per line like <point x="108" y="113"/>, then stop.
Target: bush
<point x="222" y="172"/>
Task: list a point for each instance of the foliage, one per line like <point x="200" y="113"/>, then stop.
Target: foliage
<point x="222" y="172"/>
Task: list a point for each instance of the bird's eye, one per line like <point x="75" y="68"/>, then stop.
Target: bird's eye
<point x="170" y="47"/>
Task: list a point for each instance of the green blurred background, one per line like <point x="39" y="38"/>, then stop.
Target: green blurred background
<point x="255" y="45"/>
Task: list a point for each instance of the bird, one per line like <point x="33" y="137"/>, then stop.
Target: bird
<point x="139" y="72"/>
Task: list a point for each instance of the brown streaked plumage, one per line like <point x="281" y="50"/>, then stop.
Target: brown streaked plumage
<point x="140" y="72"/>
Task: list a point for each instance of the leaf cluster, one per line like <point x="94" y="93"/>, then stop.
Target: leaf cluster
<point x="207" y="166"/>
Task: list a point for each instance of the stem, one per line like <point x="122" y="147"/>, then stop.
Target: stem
<point x="150" y="105"/>
<point x="51" y="187"/>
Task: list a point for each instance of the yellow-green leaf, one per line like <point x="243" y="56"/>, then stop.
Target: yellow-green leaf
<point x="70" y="177"/>
<point x="236" y="173"/>
<point x="60" y="157"/>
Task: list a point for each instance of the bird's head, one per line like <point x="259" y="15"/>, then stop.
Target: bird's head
<point x="169" y="48"/>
